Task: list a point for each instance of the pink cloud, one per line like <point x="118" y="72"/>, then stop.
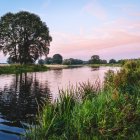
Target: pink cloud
<point x="137" y="14"/>
<point x="116" y="34"/>
<point x="95" y="9"/>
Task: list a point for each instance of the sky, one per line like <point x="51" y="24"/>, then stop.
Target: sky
<point x="82" y="28"/>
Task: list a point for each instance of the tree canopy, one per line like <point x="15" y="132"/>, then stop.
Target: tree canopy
<point x="48" y="60"/>
<point x="72" y="61"/>
<point x="41" y="61"/>
<point x="112" y="61"/>
<point x="57" y="59"/>
<point x="95" y="59"/>
<point x="24" y="37"/>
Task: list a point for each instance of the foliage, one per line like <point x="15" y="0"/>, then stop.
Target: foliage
<point x="103" y="61"/>
<point x="41" y="61"/>
<point x="9" y="60"/>
<point x="24" y="37"/>
<point x="57" y="59"/>
<point x="122" y="61"/>
<point x="127" y="80"/>
<point x="21" y="68"/>
<point x="72" y="61"/>
<point x="48" y="60"/>
<point x="95" y="59"/>
<point x="109" y="114"/>
<point x="112" y="61"/>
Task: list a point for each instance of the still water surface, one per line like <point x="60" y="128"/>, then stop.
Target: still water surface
<point x="21" y="94"/>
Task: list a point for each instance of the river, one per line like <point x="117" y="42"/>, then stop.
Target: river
<point x="21" y="94"/>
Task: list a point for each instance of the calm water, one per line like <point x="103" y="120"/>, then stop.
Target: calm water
<point x="21" y="94"/>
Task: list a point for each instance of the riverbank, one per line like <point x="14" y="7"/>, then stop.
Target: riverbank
<point x="15" y="69"/>
<point x="56" y="66"/>
<point x="89" y="112"/>
<point x="104" y="65"/>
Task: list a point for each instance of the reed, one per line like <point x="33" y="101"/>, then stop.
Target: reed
<point x="109" y="115"/>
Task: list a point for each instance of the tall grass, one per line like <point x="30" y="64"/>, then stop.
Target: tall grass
<point x="88" y="112"/>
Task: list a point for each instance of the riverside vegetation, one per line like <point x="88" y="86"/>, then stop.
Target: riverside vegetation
<point x="13" y="69"/>
<point x="89" y="112"/>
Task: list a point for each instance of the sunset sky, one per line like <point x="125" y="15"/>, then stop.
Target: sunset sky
<point x="82" y="28"/>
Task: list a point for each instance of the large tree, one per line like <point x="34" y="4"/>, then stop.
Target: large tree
<point x="24" y="37"/>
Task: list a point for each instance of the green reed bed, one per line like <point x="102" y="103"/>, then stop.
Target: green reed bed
<point x="12" y="69"/>
<point x="88" y="112"/>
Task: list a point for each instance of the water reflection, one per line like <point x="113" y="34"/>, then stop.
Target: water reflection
<point x="95" y="68"/>
<point x="19" y="101"/>
<point x="58" y="73"/>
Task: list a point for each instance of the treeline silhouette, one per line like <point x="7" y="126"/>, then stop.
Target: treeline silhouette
<point x="95" y="59"/>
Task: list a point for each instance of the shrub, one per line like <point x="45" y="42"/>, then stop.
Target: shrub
<point x="127" y="80"/>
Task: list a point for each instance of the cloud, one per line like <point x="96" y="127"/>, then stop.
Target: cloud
<point x="116" y="34"/>
<point x="94" y="8"/>
<point x="136" y="14"/>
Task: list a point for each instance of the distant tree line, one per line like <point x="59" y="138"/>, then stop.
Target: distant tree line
<point x="95" y="59"/>
<point x="56" y="59"/>
<point x="72" y="61"/>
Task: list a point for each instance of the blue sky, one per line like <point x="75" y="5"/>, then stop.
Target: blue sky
<point x="81" y="28"/>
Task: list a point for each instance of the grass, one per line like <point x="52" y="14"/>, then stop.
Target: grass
<point x="12" y="69"/>
<point x="107" y="115"/>
<point x="89" y="112"/>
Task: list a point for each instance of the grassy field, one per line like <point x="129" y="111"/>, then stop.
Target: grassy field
<point x="89" y="112"/>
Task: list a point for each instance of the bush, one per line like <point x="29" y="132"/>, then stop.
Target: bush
<point x="107" y="116"/>
<point x="127" y="80"/>
<point x="41" y="61"/>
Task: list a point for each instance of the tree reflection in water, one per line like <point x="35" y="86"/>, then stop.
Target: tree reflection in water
<point x="95" y="68"/>
<point x="19" y="102"/>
